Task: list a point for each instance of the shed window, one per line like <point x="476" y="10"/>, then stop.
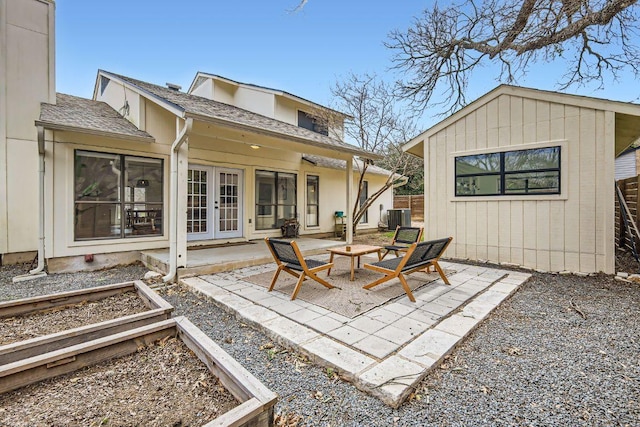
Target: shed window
<point x="520" y="172"/>
<point x="116" y="196"/>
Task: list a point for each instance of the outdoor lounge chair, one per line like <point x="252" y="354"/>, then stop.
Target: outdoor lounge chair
<point x="289" y="258"/>
<point x="403" y="237"/>
<point x="419" y="256"/>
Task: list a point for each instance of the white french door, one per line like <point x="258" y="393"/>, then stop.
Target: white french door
<point x="227" y="202"/>
<point x="199" y="217"/>
<point x="214" y="203"/>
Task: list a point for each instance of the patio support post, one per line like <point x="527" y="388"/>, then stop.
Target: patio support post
<point x="349" y="237"/>
<point x="174" y="203"/>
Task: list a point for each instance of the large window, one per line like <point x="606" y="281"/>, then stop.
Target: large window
<point x="313" y="192"/>
<point x="276" y="195"/>
<point x="521" y="172"/>
<point x="364" y="195"/>
<point x="307" y="121"/>
<point x="116" y="196"/>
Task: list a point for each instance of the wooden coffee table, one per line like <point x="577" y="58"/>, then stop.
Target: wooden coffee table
<point x="354" y="251"/>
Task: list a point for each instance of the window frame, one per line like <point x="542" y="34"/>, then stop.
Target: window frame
<point x="364" y="195"/>
<point x="314" y="126"/>
<point x="308" y="203"/>
<point x="275" y="205"/>
<point x="502" y="174"/>
<point x="121" y="202"/>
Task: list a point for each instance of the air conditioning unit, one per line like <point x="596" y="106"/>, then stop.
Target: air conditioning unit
<point x="398" y="217"/>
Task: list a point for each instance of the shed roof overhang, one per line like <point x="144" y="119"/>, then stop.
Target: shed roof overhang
<point x="627" y="131"/>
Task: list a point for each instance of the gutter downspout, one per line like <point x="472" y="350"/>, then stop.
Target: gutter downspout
<point x="40" y="268"/>
<point x="173" y="196"/>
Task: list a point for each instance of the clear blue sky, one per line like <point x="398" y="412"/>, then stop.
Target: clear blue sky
<point x="252" y="41"/>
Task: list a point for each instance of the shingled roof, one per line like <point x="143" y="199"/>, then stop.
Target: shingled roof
<point x="88" y="116"/>
<point x="204" y="108"/>
<point x="326" y="162"/>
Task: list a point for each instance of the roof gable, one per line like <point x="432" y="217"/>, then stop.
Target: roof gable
<point x="622" y="108"/>
<point x="200" y="108"/>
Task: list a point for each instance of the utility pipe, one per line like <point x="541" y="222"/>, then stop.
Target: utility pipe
<point x="173" y="199"/>
<point x="40" y="267"/>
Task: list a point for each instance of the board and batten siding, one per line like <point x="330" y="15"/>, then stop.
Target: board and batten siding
<point x="572" y="231"/>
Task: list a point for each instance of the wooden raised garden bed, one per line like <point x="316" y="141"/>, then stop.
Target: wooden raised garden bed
<point x="147" y="307"/>
<point x="254" y="406"/>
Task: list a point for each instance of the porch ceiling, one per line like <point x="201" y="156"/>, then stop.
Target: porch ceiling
<point x="627" y="131"/>
<point x="242" y="134"/>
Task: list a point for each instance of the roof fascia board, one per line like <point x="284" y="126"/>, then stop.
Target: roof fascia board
<point x="575" y="100"/>
<point x="195" y="79"/>
<point x="260" y="131"/>
<point x="412" y="143"/>
<point x="57" y="126"/>
<point x="169" y="106"/>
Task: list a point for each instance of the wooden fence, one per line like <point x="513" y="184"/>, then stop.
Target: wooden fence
<point x="415" y="203"/>
<point x="630" y="188"/>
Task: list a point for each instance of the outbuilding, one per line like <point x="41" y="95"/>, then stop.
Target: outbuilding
<point x="526" y="177"/>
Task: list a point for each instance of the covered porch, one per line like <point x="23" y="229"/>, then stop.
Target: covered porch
<point x="228" y="256"/>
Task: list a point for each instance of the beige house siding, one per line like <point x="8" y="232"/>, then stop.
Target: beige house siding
<point x="287" y="110"/>
<point x="571" y="231"/>
<point x="26" y="80"/>
<point x="59" y="227"/>
<point x="219" y="151"/>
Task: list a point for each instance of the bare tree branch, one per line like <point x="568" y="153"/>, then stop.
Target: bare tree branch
<point x="376" y="124"/>
<point x="596" y="38"/>
<point x="299" y="7"/>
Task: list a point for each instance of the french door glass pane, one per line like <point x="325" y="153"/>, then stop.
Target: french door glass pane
<point x="228" y="205"/>
<point x="197" y="214"/>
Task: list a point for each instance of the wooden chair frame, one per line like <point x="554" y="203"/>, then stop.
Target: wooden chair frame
<point x="401" y="248"/>
<point x="407" y="265"/>
<point x="298" y="267"/>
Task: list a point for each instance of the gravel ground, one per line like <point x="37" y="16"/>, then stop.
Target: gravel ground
<point x="161" y="384"/>
<point x="562" y="351"/>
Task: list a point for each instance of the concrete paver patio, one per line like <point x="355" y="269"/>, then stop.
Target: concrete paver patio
<point x="385" y="351"/>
